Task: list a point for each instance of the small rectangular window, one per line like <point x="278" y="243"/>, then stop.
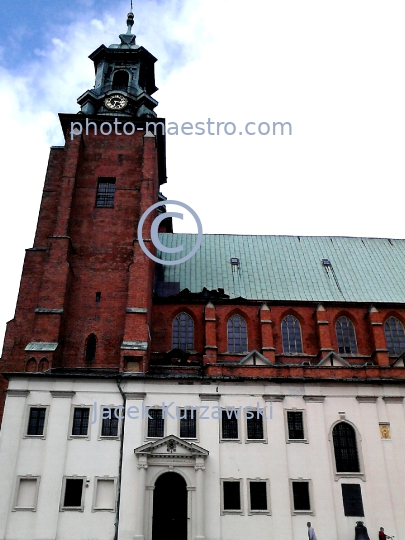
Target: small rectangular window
<point x="80" y="424"/>
<point x="258" y="495"/>
<point x="36" y="421"/>
<point x="73" y="495"/>
<point x="98" y="297"/>
<point x="156" y="423"/>
<point x="232" y="498"/>
<point x="229" y="424"/>
<point x="27" y="493"/>
<point x="295" y="425"/>
<point x="255" y="427"/>
<point x="105" y="193"/>
<point x="188" y="424"/>
<point x="301" y="498"/>
<point x="105" y="493"/>
<point x="109" y="422"/>
<point x="352" y="500"/>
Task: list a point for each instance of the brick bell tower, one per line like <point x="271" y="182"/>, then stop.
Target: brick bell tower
<point x="86" y="288"/>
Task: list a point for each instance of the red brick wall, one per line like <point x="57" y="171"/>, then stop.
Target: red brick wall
<point x="164" y="313"/>
<point x="80" y="250"/>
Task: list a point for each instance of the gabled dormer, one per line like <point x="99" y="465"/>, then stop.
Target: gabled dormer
<point x="255" y="358"/>
<point x="333" y="359"/>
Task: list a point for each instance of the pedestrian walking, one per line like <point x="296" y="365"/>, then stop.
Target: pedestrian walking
<point x="311" y="532"/>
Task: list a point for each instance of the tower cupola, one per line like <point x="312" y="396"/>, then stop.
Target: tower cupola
<point x="125" y="79"/>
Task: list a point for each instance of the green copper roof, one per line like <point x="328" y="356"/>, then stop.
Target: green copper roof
<point x="290" y="268"/>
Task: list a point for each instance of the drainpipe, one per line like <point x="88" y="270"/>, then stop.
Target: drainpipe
<point x="117" y="515"/>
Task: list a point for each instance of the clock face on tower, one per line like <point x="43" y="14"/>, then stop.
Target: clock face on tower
<point x="116" y="102"/>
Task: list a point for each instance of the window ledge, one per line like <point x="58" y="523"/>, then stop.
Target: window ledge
<point x="303" y="512"/>
<point x="305" y="441"/>
<point x="259" y="513"/>
<point x="232" y="513"/>
<point x="340" y="475"/>
<point x="263" y="441"/>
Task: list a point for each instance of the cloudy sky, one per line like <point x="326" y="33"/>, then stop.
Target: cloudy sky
<point x="335" y="71"/>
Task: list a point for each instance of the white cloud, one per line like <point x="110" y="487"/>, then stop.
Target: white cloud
<point x="332" y="70"/>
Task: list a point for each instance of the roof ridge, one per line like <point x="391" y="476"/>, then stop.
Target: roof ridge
<point x="291" y="236"/>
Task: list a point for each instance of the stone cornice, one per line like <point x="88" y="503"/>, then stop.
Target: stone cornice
<point x="17" y="393"/>
<point x="393" y="399"/>
<point x="314" y="399"/>
<point x="273" y="397"/>
<point x="135" y="395"/>
<point x="210" y="397"/>
<point x="366" y="399"/>
<point x="62" y="394"/>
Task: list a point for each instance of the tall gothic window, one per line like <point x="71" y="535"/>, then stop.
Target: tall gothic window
<point x="183" y="332"/>
<point x="91" y="346"/>
<point x="395" y="336"/>
<point x="291" y="332"/>
<point x="345" y="445"/>
<point x="346" y="336"/>
<point x="237" y="334"/>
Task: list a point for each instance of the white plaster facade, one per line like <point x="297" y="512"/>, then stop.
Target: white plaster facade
<point x="203" y="462"/>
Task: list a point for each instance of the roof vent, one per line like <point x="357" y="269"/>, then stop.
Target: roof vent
<point x="331" y="273"/>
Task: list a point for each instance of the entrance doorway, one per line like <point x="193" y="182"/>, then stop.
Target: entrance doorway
<point x="170" y="508"/>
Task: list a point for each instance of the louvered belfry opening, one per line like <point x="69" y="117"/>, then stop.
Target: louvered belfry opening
<point x="120" y="80"/>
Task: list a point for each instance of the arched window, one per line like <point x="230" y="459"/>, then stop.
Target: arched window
<point x="31" y="365"/>
<point x="120" y="80"/>
<point x="291" y="332"/>
<point x="395" y="336"/>
<point x="237" y="334"/>
<point x="183" y="332"/>
<point x="91" y="346"/>
<point x="346" y="336"/>
<point x="345" y="446"/>
<point x="43" y="365"/>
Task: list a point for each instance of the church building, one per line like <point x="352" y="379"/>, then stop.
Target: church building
<point x="240" y="394"/>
